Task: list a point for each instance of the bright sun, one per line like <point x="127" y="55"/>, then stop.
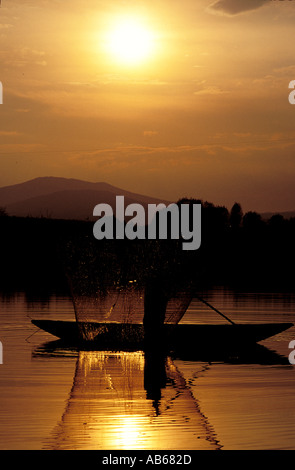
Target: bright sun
<point x="130" y="42"/>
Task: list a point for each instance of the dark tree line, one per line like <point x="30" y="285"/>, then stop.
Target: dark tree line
<point x="237" y="249"/>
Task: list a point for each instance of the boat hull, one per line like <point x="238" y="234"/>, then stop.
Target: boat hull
<point x="174" y="337"/>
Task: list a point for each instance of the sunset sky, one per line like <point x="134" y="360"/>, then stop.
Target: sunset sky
<point x="166" y="98"/>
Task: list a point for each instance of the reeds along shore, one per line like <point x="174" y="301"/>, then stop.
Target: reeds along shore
<point x="236" y="250"/>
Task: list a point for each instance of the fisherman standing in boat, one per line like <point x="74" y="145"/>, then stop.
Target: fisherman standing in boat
<point x="155" y="304"/>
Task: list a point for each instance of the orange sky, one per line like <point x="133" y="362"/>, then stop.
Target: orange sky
<point x="204" y="114"/>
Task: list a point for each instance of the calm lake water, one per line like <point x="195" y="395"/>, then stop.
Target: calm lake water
<point x="54" y="398"/>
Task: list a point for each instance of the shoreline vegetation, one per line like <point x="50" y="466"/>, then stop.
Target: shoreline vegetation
<point x="237" y="250"/>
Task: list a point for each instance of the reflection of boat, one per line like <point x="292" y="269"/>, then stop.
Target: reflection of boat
<point x="136" y="400"/>
<point x="176" y="337"/>
<point x="118" y="402"/>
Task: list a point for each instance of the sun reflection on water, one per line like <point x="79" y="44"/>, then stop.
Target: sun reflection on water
<point x="124" y="400"/>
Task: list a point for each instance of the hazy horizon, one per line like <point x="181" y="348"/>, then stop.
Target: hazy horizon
<point x="108" y="189"/>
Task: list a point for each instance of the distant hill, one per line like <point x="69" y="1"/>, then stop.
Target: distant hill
<point x="63" y="198"/>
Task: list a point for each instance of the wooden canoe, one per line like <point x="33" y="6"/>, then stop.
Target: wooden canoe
<point x="175" y="337"/>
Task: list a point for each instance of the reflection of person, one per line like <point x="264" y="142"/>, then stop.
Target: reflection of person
<point x="155" y="304"/>
<point x="130" y="400"/>
<point x="154" y="376"/>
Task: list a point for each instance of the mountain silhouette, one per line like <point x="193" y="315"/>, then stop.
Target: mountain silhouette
<point x="64" y="198"/>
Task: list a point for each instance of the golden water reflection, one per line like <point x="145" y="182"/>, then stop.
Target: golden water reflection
<point x="126" y="400"/>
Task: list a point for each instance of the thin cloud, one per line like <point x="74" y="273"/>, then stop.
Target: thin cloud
<point x="9" y="133"/>
<point x="150" y="133"/>
<point x="22" y="57"/>
<point x="235" y="7"/>
<point x="6" y="25"/>
<point x="210" y="90"/>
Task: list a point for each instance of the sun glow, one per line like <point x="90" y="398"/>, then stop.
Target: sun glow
<point x="130" y="42"/>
